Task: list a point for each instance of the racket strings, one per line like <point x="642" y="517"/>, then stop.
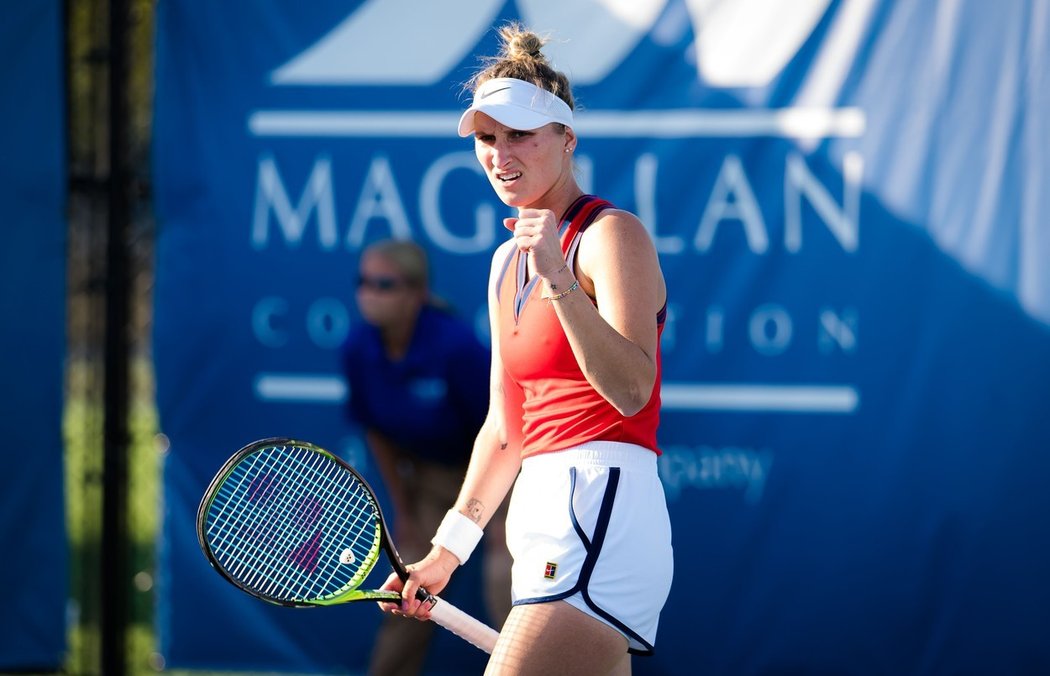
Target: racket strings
<point x="299" y="481"/>
<point x="278" y="510"/>
<point x="278" y="569"/>
<point x="347" y="532"/>
<point x="281" y="541"/>
<point x="248" y="534"/>
<point x="297" y="558"/>
<point x="237" y="504"/>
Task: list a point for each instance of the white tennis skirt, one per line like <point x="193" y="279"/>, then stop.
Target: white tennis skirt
<point x="589" y="525"/>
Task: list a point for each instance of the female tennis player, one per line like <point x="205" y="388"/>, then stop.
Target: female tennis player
<point x="577" y="304"/>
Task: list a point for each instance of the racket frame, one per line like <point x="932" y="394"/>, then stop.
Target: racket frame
<point x="350" y="592"/>
<point x="455" y="620"/>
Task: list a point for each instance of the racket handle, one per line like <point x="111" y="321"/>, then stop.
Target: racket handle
<point x="469" y="629"/>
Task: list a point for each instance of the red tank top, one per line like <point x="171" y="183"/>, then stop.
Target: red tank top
<point x="557" y="407"/>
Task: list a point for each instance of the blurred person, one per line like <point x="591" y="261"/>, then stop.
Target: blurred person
<point x="577" y="305"/>
<point x="418" y="387"/>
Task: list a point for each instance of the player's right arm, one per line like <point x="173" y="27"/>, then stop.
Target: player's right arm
<point x="493" y="467"/>
<point x="494" y="463"/>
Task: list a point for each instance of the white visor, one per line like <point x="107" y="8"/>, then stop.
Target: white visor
<point x="516" y="104"/>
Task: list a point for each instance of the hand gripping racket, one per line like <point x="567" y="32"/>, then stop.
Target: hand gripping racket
<point x="292" y="524"/>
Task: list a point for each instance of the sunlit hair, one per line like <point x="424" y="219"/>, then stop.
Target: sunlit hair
<point x="408" y="257"/>
<point x="520" y="58"/>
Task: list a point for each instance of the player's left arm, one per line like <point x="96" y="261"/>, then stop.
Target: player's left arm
<point x="615" y="342"/>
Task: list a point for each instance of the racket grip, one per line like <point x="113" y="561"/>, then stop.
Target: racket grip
<point x="469" y="629"/>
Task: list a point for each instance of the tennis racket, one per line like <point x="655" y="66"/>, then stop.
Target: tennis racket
<point x="294" y="525"/>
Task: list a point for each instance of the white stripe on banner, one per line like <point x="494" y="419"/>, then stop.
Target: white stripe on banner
<point x="800" y="122"/>
<point x="760" y="397"/>
<point x="291" y="387"/>
<point x="768" y="398"/>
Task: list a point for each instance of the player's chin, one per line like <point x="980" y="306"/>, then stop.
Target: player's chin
<point x="509" y="196"/>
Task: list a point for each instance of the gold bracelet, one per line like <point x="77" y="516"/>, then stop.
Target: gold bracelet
<point x="572" y="287"/>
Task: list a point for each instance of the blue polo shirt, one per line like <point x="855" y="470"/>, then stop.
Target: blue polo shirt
<point x="432" y="402"/>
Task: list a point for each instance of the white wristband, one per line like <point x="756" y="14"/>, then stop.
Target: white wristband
<point x="457" y="534"/>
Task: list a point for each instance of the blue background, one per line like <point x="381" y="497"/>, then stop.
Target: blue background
<point x="899" y="528"/>
<point x="32" y="344"/>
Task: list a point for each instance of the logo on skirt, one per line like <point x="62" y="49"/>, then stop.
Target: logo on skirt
<point x="550" y="570"/>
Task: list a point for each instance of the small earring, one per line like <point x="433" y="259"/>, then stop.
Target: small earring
<point x="568" y="150"/>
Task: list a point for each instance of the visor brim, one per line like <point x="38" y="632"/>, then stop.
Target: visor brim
<point x="508" y="115"/>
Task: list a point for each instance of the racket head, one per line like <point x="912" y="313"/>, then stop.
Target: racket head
<point x="293" y="524"/>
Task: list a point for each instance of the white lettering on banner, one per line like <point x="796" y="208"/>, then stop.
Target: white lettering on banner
<point x="837" y="329"/>
<point x="770" y="329"/>
<point x="326" y="322"/>
<point x="731" y="199"/>
<point x="799" y="181"/>
<point x="377" y="208"/>
<point x="270" y="195"/>
<point x="645" y="197"/>
<point x="284" y="213"/>
<point x="732" y="182"/>
<point x="264" y="316"/>
<point x="379" y="198"/>
<point x="709" y="468"/>
<point x="430" y="207"/>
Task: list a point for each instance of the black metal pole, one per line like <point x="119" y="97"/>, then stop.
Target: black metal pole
<point x="115" y="586"/>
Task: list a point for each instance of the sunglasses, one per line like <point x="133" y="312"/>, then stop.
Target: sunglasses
<point x="379" y="284"/>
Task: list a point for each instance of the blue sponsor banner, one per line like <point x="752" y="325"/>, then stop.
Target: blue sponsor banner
<point x="847" y="199"/>
<point x="32" y="346"/>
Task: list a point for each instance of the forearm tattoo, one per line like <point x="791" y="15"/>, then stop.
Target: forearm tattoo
<point x="475" y="509"/>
